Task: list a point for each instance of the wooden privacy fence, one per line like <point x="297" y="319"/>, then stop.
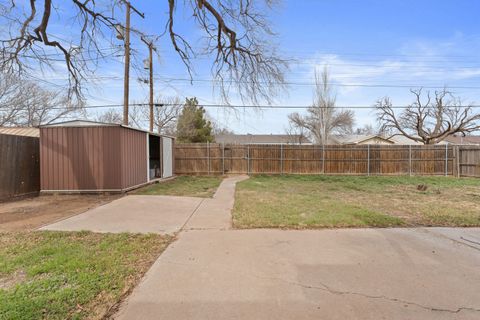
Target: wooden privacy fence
<point x="19" y="166"/>
<point x="469" y="161"/>
<point x="317" y="159"/>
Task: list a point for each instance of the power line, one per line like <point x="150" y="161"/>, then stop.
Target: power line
<point x="291" y="83"/>
<point x="333" y="84"/>
<point x="353" y="107"/>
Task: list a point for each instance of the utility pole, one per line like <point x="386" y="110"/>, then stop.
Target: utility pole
<point x="150" y="67"/>
<point x="126" y="38"/>
<point x="126" y="77"/>
<point x="150" y="52"/>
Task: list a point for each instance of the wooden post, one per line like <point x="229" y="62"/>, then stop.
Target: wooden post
<point x="150" y="66"/>
<point x="126" y="79"/>
<point x="281" y="158"/>
<point x="410" y="159"/>
<point x="248" y="159"/>
<point x="446" y="160"/>
<point x="368" y="159"/>
<point x="223" y="158"/>
<point x="323" y="158"/>
<point x="208" y="157"/>
<point x="458" y="157"/>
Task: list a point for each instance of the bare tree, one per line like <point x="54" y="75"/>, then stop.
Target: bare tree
<point x="165" y="114"/>
<point x="136" y="116"/>
<point x="367" y="129"/>
<point x="27" y="104"/>
<point x="323" y="118"/>
<point x="296" y="134"/>
<point x="429" y="119"/>
<point x="110" y="116"/>
<point x="235" y="36"/>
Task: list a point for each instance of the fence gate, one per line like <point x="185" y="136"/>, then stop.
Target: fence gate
<point x="167" y="156"/>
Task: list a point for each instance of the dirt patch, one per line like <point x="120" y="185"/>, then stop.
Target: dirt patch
<point x="9" y="281"/>
<point x="32" y="213"/>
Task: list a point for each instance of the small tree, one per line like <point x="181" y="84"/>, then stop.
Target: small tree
<point x="323" y="118"/>
<point x="192" y="124"/>
<point x="428" y="120"/>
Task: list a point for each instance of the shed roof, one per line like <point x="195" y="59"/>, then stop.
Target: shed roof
<point x="88" y="123"/>
<point x="20" y="131"/>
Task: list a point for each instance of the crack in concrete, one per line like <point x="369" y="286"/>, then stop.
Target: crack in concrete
<point x="330" y="290"/>
<point x="451" y="239"/>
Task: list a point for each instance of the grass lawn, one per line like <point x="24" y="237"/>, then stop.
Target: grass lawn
<point x="339" y="201"/>
<point x="187" y="186"/>
<point x="75" y="275"/>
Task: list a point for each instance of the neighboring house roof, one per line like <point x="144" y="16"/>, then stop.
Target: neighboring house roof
<point x="261" y="139"/>
<point x="467" y="140"/>
<point x="19" y="131"/>
<point x="361" y="139"/>
<point x="404" y="140"/>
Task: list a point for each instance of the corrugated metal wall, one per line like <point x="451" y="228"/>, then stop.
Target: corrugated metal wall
<point x="73" y="158"/>
<point x="19" y="166"/>
<point x="134" y="157"/>
<point x="167" y="154"/>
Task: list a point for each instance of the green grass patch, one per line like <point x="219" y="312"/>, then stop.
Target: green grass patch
<point x="186" y="186"/>
<point x="340" y="201"/>
<point x="75" y="275"/>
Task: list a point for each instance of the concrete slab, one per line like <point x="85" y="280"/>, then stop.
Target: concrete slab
<point x="135" y="213"/>
<point x="327" y="274"/>
<point x="215" y="213"/>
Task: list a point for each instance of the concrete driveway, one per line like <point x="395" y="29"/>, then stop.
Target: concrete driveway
<point x="325" y="274"/>
<point x="136" y="214"/>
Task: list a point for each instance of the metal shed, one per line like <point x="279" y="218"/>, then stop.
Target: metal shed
<point x="85" y="156"/>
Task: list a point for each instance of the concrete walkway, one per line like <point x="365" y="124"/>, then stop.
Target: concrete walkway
<point x="157" y="214"/>
<point x="324" y="274"/>
<point x="216" y="213"/>
<point x="136" y="214"/>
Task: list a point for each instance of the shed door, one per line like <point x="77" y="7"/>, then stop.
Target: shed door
<point x="167" y="157"/>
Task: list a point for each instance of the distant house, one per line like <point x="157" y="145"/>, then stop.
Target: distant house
<point x="460" y="140"/>
<point x="261" y="139"/>
<point x="360" y="139"/>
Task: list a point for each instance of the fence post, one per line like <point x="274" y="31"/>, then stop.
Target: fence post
<point x="368" y="159"/>
<point x="446" y="160"/>
<point x="458" y="158"/>
<point x="223" y="158"/>
<point x="208" y="157"/>
<point x="281" y="158"/>
<point x="410" y="160"/>
<point x="323" y="158"/>
<point x="248" y="159"/>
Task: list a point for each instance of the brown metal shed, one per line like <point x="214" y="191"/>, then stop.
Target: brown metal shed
<point x="84" y="156"/>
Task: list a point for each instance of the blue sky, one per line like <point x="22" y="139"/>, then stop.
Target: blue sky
<point x="369" y="42"/>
